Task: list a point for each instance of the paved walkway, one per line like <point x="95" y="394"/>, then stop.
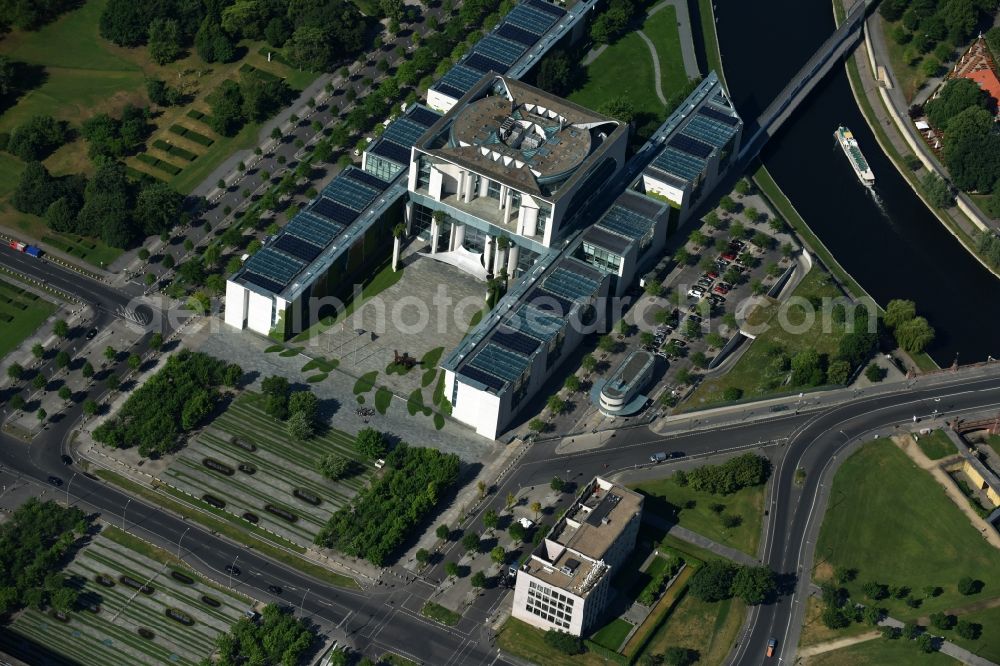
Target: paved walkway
<point x="688" y="52"/>
<point x="657" y="76"/>
<point x="702" y="542"/>
<point x="837" y="644"/>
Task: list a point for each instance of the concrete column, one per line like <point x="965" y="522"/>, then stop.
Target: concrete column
<point x="498" y="260"/>
<point x="484" y="186"/>
<point x="408" y="217"/>
<point x="530" y="217"/>
<point x="396" y="243"/>
<point x="504" y="202"/>
<point x="469" y="183"/>
<point x="488" y="254"/>
<point x="451" y="237"/>
<point x="507" y="203"/>
<point x="512" y="256"/>
<point x="434" y="236"/>
<point x="458" y="237"/>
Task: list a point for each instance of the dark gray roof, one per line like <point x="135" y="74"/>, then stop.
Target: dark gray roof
<point x="604" y="239"/>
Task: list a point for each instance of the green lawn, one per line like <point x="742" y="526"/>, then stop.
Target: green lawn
<point x="893" y="523"/>
<point x="522" y="640"/>
<point x="712" y="55"/>
<point x="880" y="652"/>
<point x="988" y="643"/>
<point x="439" y="613"/>
<point x="710" y="629"/>
<point x="21" y="313"/>
<point x="612" y="634"/>
<point x="936" y="445"/>
<point x="746" y="373"/>
<point x="669" y="500"/>
<point x="625" y="69"/>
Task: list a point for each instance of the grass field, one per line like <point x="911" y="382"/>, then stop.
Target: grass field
<point x="746" y="374"/>
<point x="893" y="523"/>
<point x="612" y="634"/>
<point x="377" y="281"/>
<point x="110" y="636"/>
<point x="936" y="445"/>
<point x="87" y="75"/>
<point x="439" y="613"/>
<point x="280" y="469"/>
<point x="667" y="498"/>
<point x="988" y="643"/>
<point x="21" y="313"/>
<point x="522" y="640"/>
<point x="814" y="631"/>
<point x="709" y="629"/>
<point x="625" y="69"/>
<point x="880" y="652"/>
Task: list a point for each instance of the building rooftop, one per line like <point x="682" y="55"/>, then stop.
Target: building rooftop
<point x="988" y="81"/>
<point x="519" y="135"/>
<point x="632" y="369"/>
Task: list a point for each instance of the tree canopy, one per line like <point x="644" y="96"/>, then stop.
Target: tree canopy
<point x="726" y="478"/>
<point x="277" y="638"/>
<point x="955" y="96"/>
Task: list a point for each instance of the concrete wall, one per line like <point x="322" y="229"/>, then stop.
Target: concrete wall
<point x="260" y="310"/>
<point x="519" y="608"/>
<point x="237" y="297"/>
<point x="481" y="410"/>
<point x="980" y="483"/>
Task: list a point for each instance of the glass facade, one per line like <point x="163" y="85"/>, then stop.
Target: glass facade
<point x="423" y="173"/>
<point x="493" y="190"/>
<point x="382" y="168"/>
<point x="550" y="605"/>
<point x="544" y="212"/>
<point x="601" y="259"/>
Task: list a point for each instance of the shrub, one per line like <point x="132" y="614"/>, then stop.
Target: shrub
<point x="563" y="642"/>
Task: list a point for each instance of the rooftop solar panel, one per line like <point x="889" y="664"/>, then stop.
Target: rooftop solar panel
<point x="449" y="90"/>
<point x="512" y="32"/>
<point x="475" y="374"/>
<point x="569" y="284"/>
<point x="607" y="240"/>
<point x="297" y="247"/>
<point x="313" y="228"/>
<point x="546" y="301"/>
<point x="332" y="210"/>
<point x="689" y="145"/>
<point x="557" y="12"/>
<point x="483" y="64"/>
<point x="500" y="362"/>
<point x="529" y="19"/>
<point x="461" y="78"/>
<point x="261" y="281"/>
<point x="515" y="341"/>
<point x="366" y="178"/>
<point x="349" y="192"/>
<point x="718" y="115"/>
<point x="625" y="222"/>
<point x="709" y="131"/>
<point x="404" y="131"/>
<point x="679" y="163"/>
<point x="391" y="151"/>
<point x="502" y="50"/>
<point x="423" y="116"/>
<point x="535" y="323"/>
<point x="275" y="265"/>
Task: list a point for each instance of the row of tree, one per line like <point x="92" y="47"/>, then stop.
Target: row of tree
<point x="382" y="515"/>
<point x="963" y="111"/>
<point x="32" y="14"/>
<point x="35" y="542"/>
<point x="316" y="35"/>
<point x="924" y="24"/>
<point x="726" y="478"/>
<point x="171" y="402"/>
<point x="253" y="99"/>
<point x="278" y="637"/>
<point x="718" y="580"/>
<point x="108" y="206"/>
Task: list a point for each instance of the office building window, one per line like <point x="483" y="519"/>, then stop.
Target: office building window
<point x="543" y="219"/>
<point x="423" y="173"/>
<point x="493" y="190"/>
<point x="381" y="168"/>
<point x="602" y="259"/>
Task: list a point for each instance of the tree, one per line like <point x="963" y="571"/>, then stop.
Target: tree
<point x="834" y="617"/>
<point x="713" y="581"/>
<point x="134" y="361"/>
<point x="156" y="341"/>
<point x="875" y="590"/>
<point x="572" y="383"/>
<point x="39" y="382"/>
<point x="478" y="580"/>
<point x="157" y="208"/>
<point x="557" y="484"/>
<point x="422" y="556"/>
<point x="304" y="402"/>
<point x="491" y="519"/>
<point x="556" y="73"/>
<point x="15" y="371"/>
<point x="516" y="532"/>
<point x="498" y="555"/>
<point x="873" y="615"/>
<point x="299" y="426"/>
<point x="563" y="642"/>
<point x="968" y="586"/>
<point x="926" y="643"/>
<point x="969" y="630"/>
<point x="753" y="584"/>
<point x="470" y="542"/>
<point x="588" y="363"/>
<point x="451" y="569"/>
<point x="61" y="328"/>
<point x="275" y="390"/>
<point x="536" y="508"/>
<point x="226" y="102"/>
<point x="556" y="404"/>
<point x="537" y="425"/>
<point x="955" y="96"/>
<point x="312" y="48"/>
<point x="37" y="138"/>
<point x="875" y="373"/>
<point x="937" y="190"/>
<point x="620" y="108"/>
<point x="65" y="393"/>
<point x="839" y="372"/>
<point x="807" y="369"/>
<point x="41" y="415"/>
<point x="914" y="335"/>
<point x="910" y="631"/>
<point x="972" y="152"/>
<point x="62" y="359"/>
<point x="442" y="531"/>
<point x="943" y="621"/>
<point x="164" y="40"/>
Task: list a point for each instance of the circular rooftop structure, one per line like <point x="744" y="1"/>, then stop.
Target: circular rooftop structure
<point x="536" y="136"/>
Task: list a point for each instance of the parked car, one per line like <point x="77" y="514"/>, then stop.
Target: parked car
<point x="696" y="292"/>
<point x="729" y="255"/>
<point x="721" y="288"/>
<point x="55" y="481"/>
<point x="771" y="644"/>
<point x="704" y="282"/>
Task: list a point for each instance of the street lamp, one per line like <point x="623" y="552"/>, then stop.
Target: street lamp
<point x="231" y="569"/>
<point x="123" y="513"/>
<point x="303" y="602"/>
<point x="179" y="542"/>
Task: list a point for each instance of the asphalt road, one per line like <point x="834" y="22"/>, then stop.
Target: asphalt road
<point x="91" y="291"/>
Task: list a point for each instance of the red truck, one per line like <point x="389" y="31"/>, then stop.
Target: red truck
<point x="29" y="250"/>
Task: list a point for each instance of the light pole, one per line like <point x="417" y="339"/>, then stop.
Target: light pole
<point x="231" y="569"/>
<point x="123" y="513"/>
<point x="179" y="542"/>
<point x="303" y="602"/>
<point x="68" y="485"/>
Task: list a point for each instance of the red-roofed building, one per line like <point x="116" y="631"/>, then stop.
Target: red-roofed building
<point x="988" y="81"/>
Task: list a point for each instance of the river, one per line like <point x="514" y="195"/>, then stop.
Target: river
<point x="887" y="240"/>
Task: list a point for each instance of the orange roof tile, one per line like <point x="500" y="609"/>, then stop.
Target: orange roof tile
<point x="987" y="80"/>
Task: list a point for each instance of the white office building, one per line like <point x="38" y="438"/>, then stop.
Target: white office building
<point x="564" y="584"/>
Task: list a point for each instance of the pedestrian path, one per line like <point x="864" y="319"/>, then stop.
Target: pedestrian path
<point x="657" y="76"/>
<point x="701" y="541"/>
<point x="687" y="40"/>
